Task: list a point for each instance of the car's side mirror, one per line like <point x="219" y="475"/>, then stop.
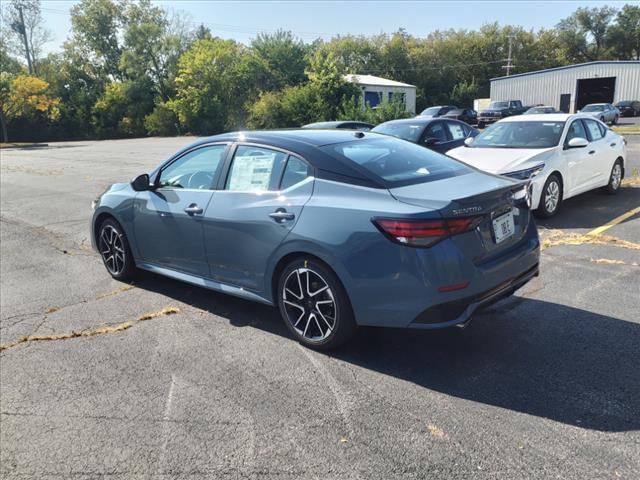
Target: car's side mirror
<point x="141" y="183"/>
<point x="468" y="141"/>
<point x="577" y="142"/>
<point x="429" y="142"/>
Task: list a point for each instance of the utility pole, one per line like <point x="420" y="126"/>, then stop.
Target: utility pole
<point x="22" y="30"/>
<point x="509" y="65"/>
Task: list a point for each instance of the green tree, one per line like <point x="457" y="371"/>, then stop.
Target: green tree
<point x="122" y="108"/>
<point x="212" y="84"/>
<point x="583" y="34"/>
<point x="22" y="96"/>
<point x="96" y="28"/>
<point x="283" y="59"/>
<point x="624" y="35"/>
<point x="463" y="93"/>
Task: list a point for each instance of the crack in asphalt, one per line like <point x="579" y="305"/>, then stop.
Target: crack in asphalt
<point x="55" y="239"/>
<point x="57" y="308"/>
<point x="104" y="330"/>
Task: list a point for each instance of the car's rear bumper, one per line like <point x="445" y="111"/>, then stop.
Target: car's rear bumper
<point x="402" y="289"/>
<point x="459" y="312"/>
<point x="488" y="119"/>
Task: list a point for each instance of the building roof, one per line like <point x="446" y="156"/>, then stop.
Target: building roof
<point x="377" y="81"/>
<point x="577" y="65"/>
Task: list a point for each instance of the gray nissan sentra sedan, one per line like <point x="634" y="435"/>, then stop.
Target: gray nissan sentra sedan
<point x="336" y="228"/>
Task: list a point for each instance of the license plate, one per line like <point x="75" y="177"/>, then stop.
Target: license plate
<point x="503" y="227"/>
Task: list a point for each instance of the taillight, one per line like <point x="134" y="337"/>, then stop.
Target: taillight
<point x="424" y="233"/>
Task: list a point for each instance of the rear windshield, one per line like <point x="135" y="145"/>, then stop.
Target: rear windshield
<point x="593" y="108"/>
<point x="431" y="111"/>
<point x="396" y="161"/>
<point x="499" y="105"/>
<point x="534" y="134"/>
<point x="404" y="130"/>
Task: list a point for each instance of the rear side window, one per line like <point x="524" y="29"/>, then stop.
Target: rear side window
<point x="397" y="162"/>
<point x="457" y="130"/>
<point x="594" y="129"/>
<point x="254" y="169"/>
<point x="295" y="172"/>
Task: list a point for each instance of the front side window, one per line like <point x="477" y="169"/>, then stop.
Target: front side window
<point x="197" y="169"/>
<point x="254" y="169"/>
<point x="533" y="134"/>
<point x="576" y="130"/>
<point x="436" y="130"/>
<point x="594" y="129"/>
<point x="396" y="161"/>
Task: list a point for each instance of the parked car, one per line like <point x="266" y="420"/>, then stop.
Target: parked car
<point x="629" y="108"/>
<point x="498" y="110"/>
<point x="605" y="112"/>
<point x="465" y="115"/>
<point x="335" y="228"/>
<point x="541" y="109"/>
<point x="437" y="134"/>
<point x="562" y="155"/>
<point x="346" y="124"/>
<point x="437" y="111"/>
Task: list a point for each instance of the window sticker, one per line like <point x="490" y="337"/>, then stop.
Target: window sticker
<point x="251" y="173"/>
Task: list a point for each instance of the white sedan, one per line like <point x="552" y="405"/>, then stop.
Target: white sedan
<point x="562" y="155"/>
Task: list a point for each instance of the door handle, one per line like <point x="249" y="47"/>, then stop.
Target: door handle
<point x="591" y="152"/>
<point x="612" y="144"/>
<point x="193" y="209"/>
<point x="281" y="215"/>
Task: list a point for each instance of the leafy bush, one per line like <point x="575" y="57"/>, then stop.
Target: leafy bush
<point x="353" y="109"/>
<point x="162" y="121"/>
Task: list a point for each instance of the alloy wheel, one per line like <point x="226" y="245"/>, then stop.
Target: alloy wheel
<point x="552" y="197"/>
<point x="616" y="176"/>
<point x="309" y="304"/>
<point x="112" y="249"/>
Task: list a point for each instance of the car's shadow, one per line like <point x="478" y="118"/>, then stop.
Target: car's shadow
<point x="593" y="209"/>
<point x="530" y="356"/>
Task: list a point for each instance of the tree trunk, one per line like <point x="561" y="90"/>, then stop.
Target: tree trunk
<point x="5" y="136"/>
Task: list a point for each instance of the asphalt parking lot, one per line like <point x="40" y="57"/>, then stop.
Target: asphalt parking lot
<point x="159" y="379"/>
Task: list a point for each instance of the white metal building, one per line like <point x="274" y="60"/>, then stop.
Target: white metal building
<point x="572" y="87"/>
<point x="378" y="89"/>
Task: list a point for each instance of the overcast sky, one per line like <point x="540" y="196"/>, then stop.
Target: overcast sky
<point x="311" y="19"/>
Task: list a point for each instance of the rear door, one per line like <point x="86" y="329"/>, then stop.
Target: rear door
<point x="600" y="161"/>
<point x="436" y="137"/>
<point x="457" y="133"/>
<point x="264" y="193"/>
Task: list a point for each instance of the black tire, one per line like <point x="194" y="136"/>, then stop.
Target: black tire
<point x="115" y="251"/>
<point x="546" y="209"/>
<point x="615" y="178"/>
<point x="602" y="120"/>
<point x="481" y="124"/>
<point x="615" y="120"/>
<point x="312" y="319"/>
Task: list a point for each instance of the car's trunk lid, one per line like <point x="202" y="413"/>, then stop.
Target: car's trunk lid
<point x="471" y="195"/>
